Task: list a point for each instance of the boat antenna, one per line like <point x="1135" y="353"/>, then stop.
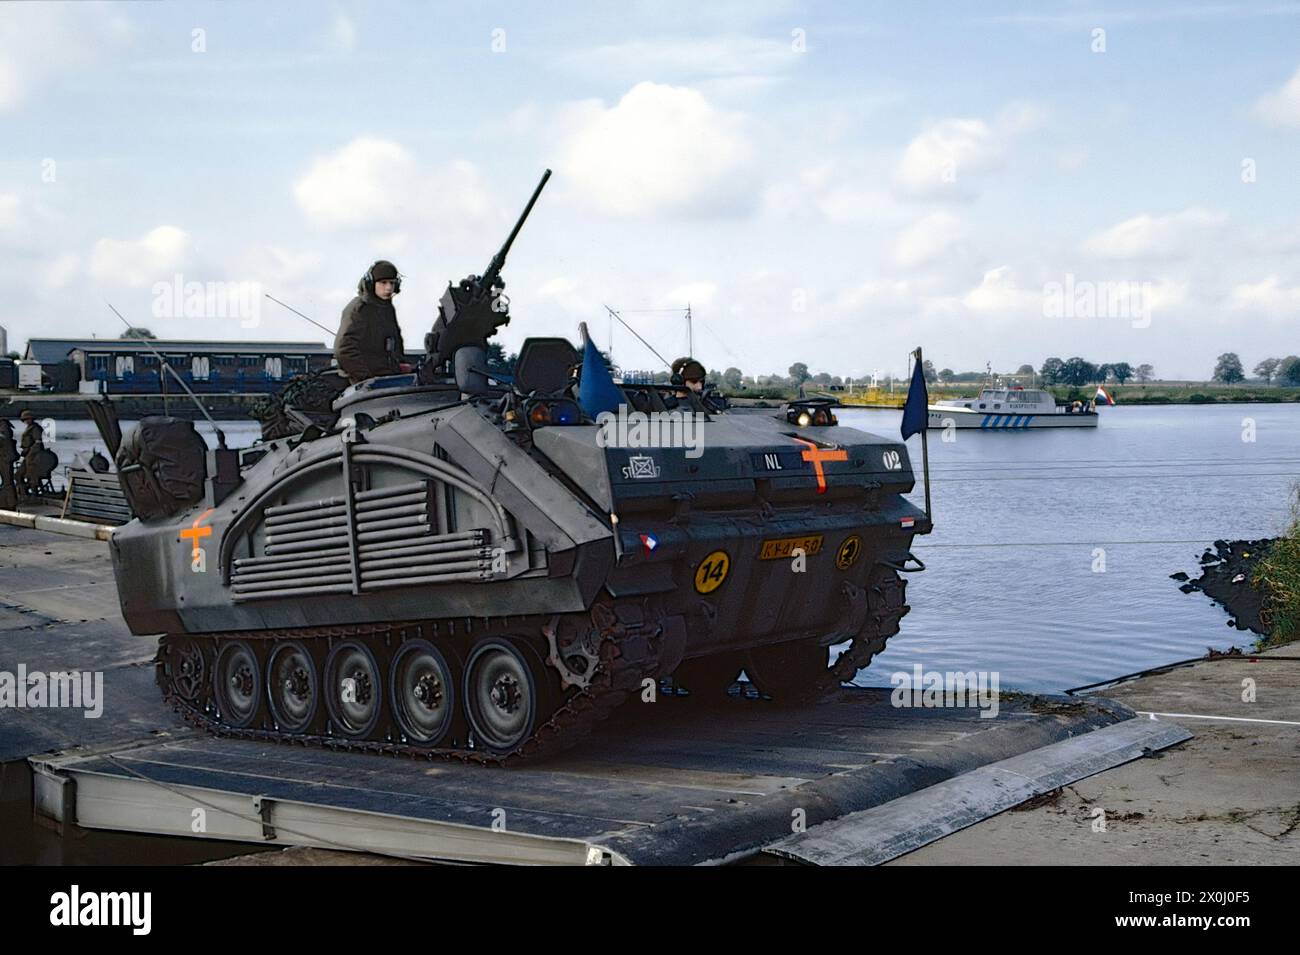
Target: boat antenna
<point x="221" y="436"/>
<point x="299" y="314"/>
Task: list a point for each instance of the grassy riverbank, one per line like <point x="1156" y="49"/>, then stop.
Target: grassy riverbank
<point x="1277" y="578"/>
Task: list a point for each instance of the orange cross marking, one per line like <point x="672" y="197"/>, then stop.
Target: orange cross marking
<point x="816" y="455"/>
<point x="194" y="531"/>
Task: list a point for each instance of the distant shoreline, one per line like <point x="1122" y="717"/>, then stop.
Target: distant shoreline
<point x="237" y="407"/>
<point x="1149" y="394"/>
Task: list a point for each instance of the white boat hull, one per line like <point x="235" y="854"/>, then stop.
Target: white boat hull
<point x="944" y="417"/>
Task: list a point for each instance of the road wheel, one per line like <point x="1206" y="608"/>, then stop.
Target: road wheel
<point x="354" y="689"/>
<point x="508" y="693"/>
<point x="293" y="686"/>
<point x="423" y="685"/>
<point x="237" y="684"/>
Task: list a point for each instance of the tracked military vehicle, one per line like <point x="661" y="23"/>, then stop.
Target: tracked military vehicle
<point x="468" y="568"/>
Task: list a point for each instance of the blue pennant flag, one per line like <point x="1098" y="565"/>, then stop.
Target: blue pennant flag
<point x="596" y="390"/>
<point x="916" y="408"/>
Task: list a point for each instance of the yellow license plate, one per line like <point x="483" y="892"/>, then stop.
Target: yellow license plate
<point x="786" y="546"/>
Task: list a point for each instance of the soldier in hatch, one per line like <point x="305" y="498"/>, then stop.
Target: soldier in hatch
<point x="369" y="340"/>
<point x="688" y="374"/>
<point x="689" y="384"/>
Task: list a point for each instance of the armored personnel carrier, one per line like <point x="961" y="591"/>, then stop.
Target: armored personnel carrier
<point x="467" y="568"/>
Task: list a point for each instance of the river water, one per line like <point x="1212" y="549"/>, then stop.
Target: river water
<point x="1052" y="550"/>
<point x="1051" y="554"/>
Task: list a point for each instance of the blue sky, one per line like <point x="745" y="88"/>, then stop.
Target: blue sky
<point x="829" y="183"/>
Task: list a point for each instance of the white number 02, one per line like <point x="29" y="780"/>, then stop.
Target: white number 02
<point x="892" y="460"/>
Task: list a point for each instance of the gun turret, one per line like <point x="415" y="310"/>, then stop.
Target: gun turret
<point x="472" y="310"/>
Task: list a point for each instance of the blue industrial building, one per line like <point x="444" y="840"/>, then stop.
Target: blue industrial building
<point x="129" y="366"/>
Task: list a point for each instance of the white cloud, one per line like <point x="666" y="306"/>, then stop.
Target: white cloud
<point x="927" y="239"/>
<point x="833" y="189"/>
<point x="359" y="185"/>
<point x="1017" y="118"/>
<point x="1164" y="294"/>
<point x="377" y="184"/>
<point x="288" y="265"/>
<point x="998" y="292"/>
<point x="140" y="262"/>
<point x="38" y="41"/>
<point x="1268" y="296"/>
<point x="696" y="294"/>
<point x="944" y="157"/>
<point x="1148" y="236"/>
<point x="9" y="212"/>
<point x="566" y="294"/>
<point x="1281" y="107"/>
<point x="934" y="160"/>
<point x="343" y="33"/>
<point x="877" y="293"/>
<point x="57" y="272"/>
<point x="660" y="150"/>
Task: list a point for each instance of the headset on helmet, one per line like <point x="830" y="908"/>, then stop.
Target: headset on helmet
<point x="368" y="280"/>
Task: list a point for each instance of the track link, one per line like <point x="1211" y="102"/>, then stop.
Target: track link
<point x="628" y="653"/>
<point x="886" y="608"/>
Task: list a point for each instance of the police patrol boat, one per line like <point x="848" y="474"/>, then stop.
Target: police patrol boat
<point x="1012" y="409"/>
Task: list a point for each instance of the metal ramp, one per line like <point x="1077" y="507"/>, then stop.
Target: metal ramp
<point x="885" y="832"/>
<point x="674" y="782"/>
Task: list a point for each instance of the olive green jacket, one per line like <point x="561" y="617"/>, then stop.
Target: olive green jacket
<point x="369" y="341"/>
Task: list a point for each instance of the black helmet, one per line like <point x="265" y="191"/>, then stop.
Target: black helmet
<point x="689" y="369"/>
<point x="381" y="270"/>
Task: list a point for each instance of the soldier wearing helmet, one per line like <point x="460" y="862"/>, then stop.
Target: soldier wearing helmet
<point x="688" y="380"/>
<point x="37" y="463"/>
<point x="689" y="374"/>
<point x="369" y="340"/>
<point x="33" y="438"/>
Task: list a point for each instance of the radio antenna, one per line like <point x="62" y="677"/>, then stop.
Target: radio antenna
<point x="221" y="436"/>
<point x="299" y="314"/>
<point x="615" y="314"/>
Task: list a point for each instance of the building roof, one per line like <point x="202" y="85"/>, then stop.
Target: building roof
<point x="49" y="351"/>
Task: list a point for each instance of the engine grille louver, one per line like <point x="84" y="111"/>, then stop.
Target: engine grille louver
<point x="380" y="539"/>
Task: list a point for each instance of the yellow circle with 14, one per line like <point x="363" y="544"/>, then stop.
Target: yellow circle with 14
<point x="712" y="572"/>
